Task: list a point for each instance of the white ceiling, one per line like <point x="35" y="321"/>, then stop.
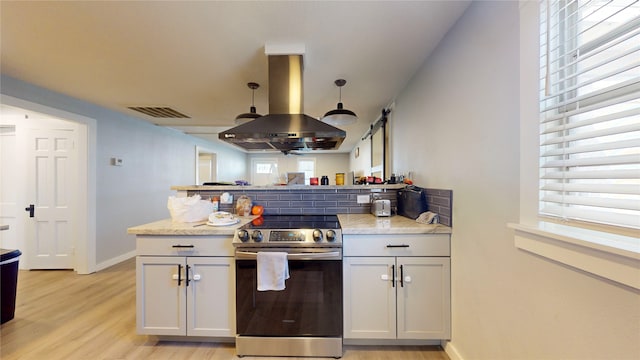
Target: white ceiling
<point x="197" y="56"/>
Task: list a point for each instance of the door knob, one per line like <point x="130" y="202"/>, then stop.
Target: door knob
<point x="31" y="209"/>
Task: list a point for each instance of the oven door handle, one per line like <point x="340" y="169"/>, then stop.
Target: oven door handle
<point x="329" y="255"/>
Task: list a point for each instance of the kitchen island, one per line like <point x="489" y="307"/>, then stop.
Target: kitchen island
<point x="396" y="280"/>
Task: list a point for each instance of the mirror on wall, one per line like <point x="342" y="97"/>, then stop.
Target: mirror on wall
<point x="377" y="154"/>
<point x="379" y="147"/>
<point x="206" y="165"/>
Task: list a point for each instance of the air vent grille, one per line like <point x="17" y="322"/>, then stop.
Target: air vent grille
<point x="159" y="112"/>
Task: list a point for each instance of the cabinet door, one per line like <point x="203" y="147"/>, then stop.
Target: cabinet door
<point x="211" y="309"/>
<point x="160" y="301"/>
<point x="424" y="307"/>
<point x="369" y="298"/>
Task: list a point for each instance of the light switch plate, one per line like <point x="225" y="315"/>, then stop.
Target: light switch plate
<point x="226" y="198"/>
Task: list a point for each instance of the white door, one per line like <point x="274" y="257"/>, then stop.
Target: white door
<point x="51" y="199"/>
<point x="264" y="172"/>
<point x="11" y="203"/>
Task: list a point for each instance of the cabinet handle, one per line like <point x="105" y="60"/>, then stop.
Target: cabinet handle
<point x="397" y="246"/>
<point x="401" y="275"/>
<point x="179" y="274"/>
<point x="393" y="276"/>
<point x="187" y="275"/>
<point x="178" y="246"/>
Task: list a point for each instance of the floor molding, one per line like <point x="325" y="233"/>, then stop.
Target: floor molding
<point x="116" y="260"/>
<point x="451" y="351"/>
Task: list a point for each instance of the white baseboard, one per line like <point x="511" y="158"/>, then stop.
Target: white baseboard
<point x="116" y="260"/>
<point x="451" y="350"/>
<point x="389" y="342"/>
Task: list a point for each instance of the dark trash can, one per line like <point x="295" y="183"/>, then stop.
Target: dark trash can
<point x="8" y="283"/>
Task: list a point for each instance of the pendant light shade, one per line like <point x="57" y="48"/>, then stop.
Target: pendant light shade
<point x="246" y="117"/>
<point x="340" y="116"/>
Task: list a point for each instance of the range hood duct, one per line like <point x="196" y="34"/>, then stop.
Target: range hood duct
<point x="286" y="127"/>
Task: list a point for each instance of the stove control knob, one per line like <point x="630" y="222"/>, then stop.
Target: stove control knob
<point x="243" y="235"/>
<point x="256" y="235"/>
<point x="317" y="235"/>
<point x="331" y="236"/>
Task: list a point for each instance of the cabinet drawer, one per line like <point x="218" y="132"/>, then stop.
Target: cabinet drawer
<point x="396" y="245"/>
<point x="184" y="245"/>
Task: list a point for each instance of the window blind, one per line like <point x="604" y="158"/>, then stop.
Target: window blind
<point x="590" y="111"/>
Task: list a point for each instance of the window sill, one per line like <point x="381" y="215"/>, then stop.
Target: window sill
<point x="610" y="256"/>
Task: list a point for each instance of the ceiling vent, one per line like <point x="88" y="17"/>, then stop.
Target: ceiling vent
<point x="160" y="112"/>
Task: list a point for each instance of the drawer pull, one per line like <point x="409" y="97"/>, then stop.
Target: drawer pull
<point x="183" y="246"/>
<point x="397" y="246"/>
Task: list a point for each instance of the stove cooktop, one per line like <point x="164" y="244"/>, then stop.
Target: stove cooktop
<point x="290" y="230"/>
<point x="295" y="222"/>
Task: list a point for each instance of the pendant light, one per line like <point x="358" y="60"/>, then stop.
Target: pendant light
<point x="340" y="116"/>
<point x="246" y="117"/>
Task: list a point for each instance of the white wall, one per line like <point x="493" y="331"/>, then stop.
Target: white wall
<point x="361" y="165"/>
<point x="326" y="163"/>
<point x="507" y="304"/>
<point x="155" y="158"/>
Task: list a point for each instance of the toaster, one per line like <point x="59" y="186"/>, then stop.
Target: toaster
<point x="381" y="207"/>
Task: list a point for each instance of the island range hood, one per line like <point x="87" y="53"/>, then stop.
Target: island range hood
<point x="286" y="127"/>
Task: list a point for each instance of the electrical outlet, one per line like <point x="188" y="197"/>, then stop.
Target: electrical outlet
<point x="117" y="161"/>
<point x="364" y="199"/>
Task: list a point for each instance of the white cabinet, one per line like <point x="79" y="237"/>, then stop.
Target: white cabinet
<point x="397" y="287"/>
<point x="183" y="288"/>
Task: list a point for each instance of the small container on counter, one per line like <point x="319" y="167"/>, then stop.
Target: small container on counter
<point x="324" y="180"/>
<point x="339" y="178"/>
<point x="313" y="181"/>
<point x="216" y="203"/>
<point x="243" y="206"/>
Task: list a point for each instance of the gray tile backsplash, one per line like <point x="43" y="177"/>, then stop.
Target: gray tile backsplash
<point x="328" y="201"/>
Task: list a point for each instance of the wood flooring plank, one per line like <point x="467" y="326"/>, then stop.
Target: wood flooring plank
<point x="64" y="316"/>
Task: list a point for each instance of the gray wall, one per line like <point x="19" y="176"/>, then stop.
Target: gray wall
<point x="155" y="159"/>
<point x="507" y="304"/>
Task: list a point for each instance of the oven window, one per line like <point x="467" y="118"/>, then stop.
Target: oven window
<point x="310" y="305"/>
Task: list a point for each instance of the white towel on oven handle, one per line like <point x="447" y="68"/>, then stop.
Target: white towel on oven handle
<point x="273" y="270"/>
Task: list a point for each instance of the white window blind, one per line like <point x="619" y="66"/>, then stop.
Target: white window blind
<point x="590" y="111"/>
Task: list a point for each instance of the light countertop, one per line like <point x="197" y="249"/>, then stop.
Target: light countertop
<point x="353" y="224"/>
<point x="168" y="227"/>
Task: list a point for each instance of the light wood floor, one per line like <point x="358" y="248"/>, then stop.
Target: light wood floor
<point x="61" y="315"/>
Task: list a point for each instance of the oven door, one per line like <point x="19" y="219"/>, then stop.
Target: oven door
<point x="310" y="304"/>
